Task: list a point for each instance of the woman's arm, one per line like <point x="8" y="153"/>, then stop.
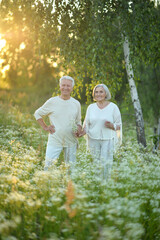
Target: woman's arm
<point x="112" y="126"/>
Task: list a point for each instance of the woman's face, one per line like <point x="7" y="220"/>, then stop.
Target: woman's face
<point x="99" y="94"/>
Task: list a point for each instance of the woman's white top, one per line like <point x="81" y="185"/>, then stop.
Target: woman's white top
<point x="64" y="115"/>
<point x="94" y="122"/>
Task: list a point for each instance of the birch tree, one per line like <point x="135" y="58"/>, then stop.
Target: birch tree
<point x="134" y="95"/>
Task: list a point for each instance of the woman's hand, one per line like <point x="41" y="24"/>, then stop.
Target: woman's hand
<point x="109" y="125"/>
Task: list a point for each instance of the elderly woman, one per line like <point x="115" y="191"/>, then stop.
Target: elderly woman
<point x="103" y="126"/>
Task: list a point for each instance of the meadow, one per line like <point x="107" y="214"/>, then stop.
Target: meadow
<point x="55" y="205"/>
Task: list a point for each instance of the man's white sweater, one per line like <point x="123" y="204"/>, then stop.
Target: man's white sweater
<point x="64" y="115"/>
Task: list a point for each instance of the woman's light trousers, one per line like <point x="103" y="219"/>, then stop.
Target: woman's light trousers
<point x="102" y="153"/>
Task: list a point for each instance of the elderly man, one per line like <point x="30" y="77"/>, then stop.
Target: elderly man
<point x="64" y="113"/>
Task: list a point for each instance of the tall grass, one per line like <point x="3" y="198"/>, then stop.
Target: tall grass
<point x="55" y="205"/>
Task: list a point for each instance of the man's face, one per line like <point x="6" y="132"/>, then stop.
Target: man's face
<point x="66" y="87"/>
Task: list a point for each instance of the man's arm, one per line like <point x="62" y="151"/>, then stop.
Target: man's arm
<point x="50" y="128"/>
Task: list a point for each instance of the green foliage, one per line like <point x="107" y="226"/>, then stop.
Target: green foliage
<point x="150" y="96"/>
<point x="144" y="34"/>
<point x="90" y="47"/>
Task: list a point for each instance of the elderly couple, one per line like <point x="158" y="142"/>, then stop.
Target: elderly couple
<point x="102" y="125"/>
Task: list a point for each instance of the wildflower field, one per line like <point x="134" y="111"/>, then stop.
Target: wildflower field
<point x="54" y="206"/>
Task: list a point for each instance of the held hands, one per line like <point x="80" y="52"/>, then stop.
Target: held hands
<point x="82" y="133"/>
<point x="79" y="131"/>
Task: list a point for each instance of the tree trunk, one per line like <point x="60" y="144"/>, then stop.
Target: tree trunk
<point x="134" y="95"/>
<point x="158" y="133"/>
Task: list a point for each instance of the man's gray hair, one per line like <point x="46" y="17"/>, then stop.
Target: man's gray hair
<point x="68" y="78"/>
<point x="108" y="94"/>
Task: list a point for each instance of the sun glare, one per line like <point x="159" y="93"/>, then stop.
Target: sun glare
<point x="55" y="64"/>
<point x="22" y="46"/>
<point x="3" y="71"/>
<point x="5" y="68"/>
<point x="2" y="42"/>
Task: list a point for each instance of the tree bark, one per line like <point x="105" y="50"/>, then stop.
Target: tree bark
<point x="134" y="95"/>
<point x="158" y="133"/>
